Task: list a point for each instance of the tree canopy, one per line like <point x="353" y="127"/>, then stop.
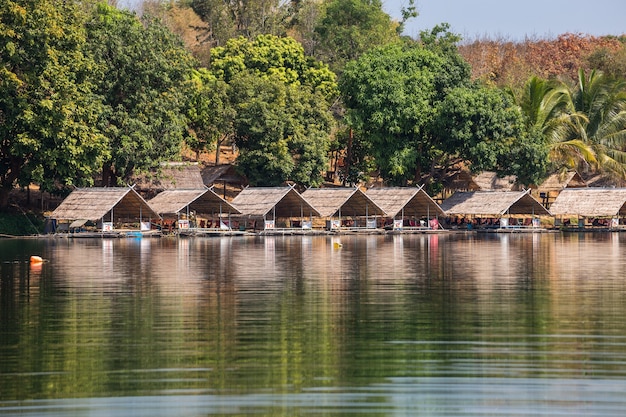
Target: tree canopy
<point x="414" y="104"/>
<point x="485" y="129"/>
<point x="48" y="103"/>
<point x="348" y="28"/>
<point x="87" y="89"/>
<point x="281" y="102"/>
<point x="392" y="95"/>
<point x="144" y="74"/>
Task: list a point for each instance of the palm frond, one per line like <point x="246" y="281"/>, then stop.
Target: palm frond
<point x="572" y="152"/>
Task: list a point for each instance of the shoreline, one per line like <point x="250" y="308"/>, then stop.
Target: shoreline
<point x="298" y="232"/>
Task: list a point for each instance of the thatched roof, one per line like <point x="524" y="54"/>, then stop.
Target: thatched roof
<point x="261" y="201"/>
<point x="415" y="201"/>
<point x="96" y="203"/>
<point x="461" y="180"/>
<point x="342" y="201"/>
<point x="604" y="181"/>
<point x="488" y="180"/>
<point x="590" y="202"/>
<point x="558" y="182"/>
<point x="493" y="203"/>
<point x="222" y="173"/>
<point x="171" y="175"/>
<point x="203" y="201"/>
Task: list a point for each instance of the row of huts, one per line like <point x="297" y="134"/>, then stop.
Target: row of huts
<point x="280" y="209"/>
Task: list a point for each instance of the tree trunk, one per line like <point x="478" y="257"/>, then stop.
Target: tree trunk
<point x="4" y="197"/>
<point x="348" y="156"/>
<point x="8" y="179"/>
<point x="106" y="174"/>
<point x="109" y="177"/>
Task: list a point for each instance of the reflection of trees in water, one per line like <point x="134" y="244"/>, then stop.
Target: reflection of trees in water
<point x="106" y="318"/>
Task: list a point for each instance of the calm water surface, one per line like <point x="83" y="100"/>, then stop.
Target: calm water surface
<point x="425" y="325"/>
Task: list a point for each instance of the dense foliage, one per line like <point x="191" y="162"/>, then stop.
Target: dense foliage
<point x="49" y="109"/>
<point x="281" y="103"/>
<point x="143" y="72"/>
<point x="88" y="91"/>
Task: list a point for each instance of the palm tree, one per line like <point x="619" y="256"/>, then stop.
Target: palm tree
<point x="548" y="109"/>
<point x="602" y="102"/>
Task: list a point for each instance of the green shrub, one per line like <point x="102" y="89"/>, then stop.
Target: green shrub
<point x="17" y="224"/>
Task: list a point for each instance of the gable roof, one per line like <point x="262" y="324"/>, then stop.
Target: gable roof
<point x="97" y="202"/>
<point x="204" y="201"/>
<point x="260" y="201"/>
<point x="222" y="173"/>
<point x="171" y="175"/>
<point x="461" y="180"/>
<point x="488" y="180"/>
<point x="590" y="202"/>
<point x="493" y="203"/>
<point x="558" y="182"/>
<point x="414" y="201"/>
<point x="347" y="201"/>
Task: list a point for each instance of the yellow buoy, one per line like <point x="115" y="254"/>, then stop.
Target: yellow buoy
<point x="337" y="245"/>
<point x="36" y="259"/>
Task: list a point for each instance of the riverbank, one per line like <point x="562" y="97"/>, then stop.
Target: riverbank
<point x="15" y="224"/>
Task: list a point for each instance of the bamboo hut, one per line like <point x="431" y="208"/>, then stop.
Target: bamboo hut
<point x="494" y="208"/>
<point x="169" y="176"/>
<point x="344" y="207"/>
<point x="193" y="209"/>
<point x="110" y="208"/>
<point x="490" y="181"/>
<point x="464" y="180"/>
<point x="461" y="180"/>
<point x="224" y="177"/>
<point x="407" y="206"/>
<point x="549" y="189"/>
<point x="273" y="204"/>
<point x="603" y="206"/>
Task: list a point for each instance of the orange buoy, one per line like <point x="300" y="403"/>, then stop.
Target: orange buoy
<point x="36" y="259"/>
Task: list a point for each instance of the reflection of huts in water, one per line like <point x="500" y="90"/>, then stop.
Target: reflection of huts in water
<point x="272" y="208"/>
<point x="344" y="208"/>
<point x="548" y="190"/>
<point x="601" y="207"/>
<point x="169" y="176"/>
<point x="493" y="209"/>
<point x="193" y="211"/>
<point x="407" y="207"/>
<point x="114" y="208"/>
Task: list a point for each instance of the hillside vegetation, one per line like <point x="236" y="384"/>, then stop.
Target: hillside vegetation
<point x="305" y="91"/>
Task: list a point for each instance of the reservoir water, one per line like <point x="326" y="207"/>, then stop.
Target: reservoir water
<point x="385" y="325"/>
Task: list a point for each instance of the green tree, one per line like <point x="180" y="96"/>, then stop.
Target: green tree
<point x="282" y="131"/>
<point x="210" y="113"/>
<point x="269" y="55"/>
<point x="228" y="19"/>
<point x="548" y="111"/>
<point x="281" y="99"/>
<point x="48" y="110"/>
<point x="391" y="95"/>
<point x="611" y="63"/>
<point x="485" y="129"/>
<point x="456" y="71"/>
<point x="601" y="100"/>
<point x="143" y="80"/>
<point x="348" y="28"/>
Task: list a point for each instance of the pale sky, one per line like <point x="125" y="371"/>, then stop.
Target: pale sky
<point x="516" y="19"/>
